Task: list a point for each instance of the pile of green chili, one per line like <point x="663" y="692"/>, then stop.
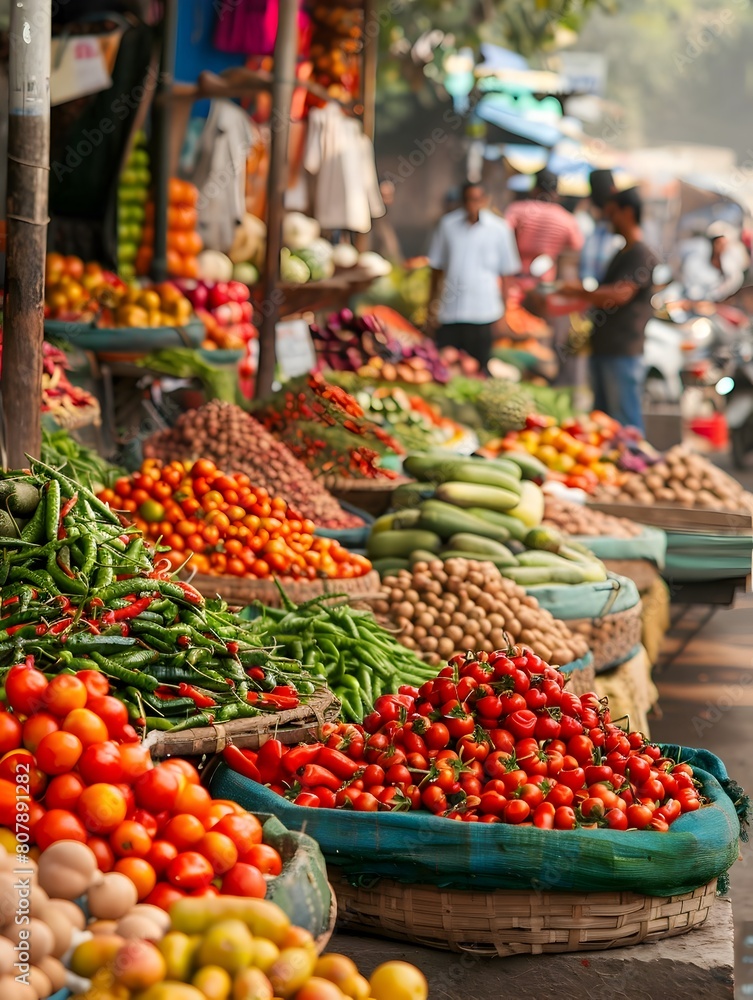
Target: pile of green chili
<point x="79" y="590"/>
<point x="348" y="648"/>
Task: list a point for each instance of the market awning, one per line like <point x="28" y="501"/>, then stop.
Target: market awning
<point x="508" y="127"/>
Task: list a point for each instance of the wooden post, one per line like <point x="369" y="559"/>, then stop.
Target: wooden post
<point x="286" y="46"/>
<point x="368" y="84"/>
<point x="163" y="139"/>
<point x="28" y="182"/>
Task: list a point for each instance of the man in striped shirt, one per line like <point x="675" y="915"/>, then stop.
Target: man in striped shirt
<point x="542" y="226"/>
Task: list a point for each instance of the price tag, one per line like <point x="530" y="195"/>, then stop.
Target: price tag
<point x="295" y="348"/>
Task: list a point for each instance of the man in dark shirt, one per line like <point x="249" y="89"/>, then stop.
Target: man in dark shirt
<point x="622" y="307"/>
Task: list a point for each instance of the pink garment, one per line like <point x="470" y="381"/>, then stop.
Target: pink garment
<point x="249" y="27"/>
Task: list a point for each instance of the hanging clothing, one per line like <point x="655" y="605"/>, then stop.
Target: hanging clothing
<point x="341" y="159"/>
<point x="249" y="27"/>
<point x="219" y="172"/>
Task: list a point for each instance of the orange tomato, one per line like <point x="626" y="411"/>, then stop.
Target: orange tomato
<point x="86" y="726"/>
<point x="211" y="534"/>
<point x="265" y="858"/>
<point x="140" y="496"/>
<point x="130" y="840"/>
<point x="175" y="541"/>
<point x="184" y="831"/>
<point x="204" y="468"/>
<point x="219" y="519"/>
<point x="63" y="791"/>
<point x="130" y="505"/>
<point x="36" y="727"/>
<point x="185" y="528"/>
<point x="140" y="872"/>
<point x="235" y="513"/>
<point x="236" y="566"/>
<point x="189" y="506"/>
<point x="219" y="850"/>
<point x="201" y="564"/>
<point x="162" y="491"/>
<point x="123" y="487"/>
<point x="135" y="760"/>
<point x="218" y="562"/>
<point x="107" y="496"/>
<point x="59" y="752"/>
<point x="212" y="500"/>
<point x="101" y="808"/>
<point x="234" y="547"/>
<point x="195" y="542"/>
<point x="102" y="852"/>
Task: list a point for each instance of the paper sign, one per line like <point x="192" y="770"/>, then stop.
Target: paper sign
<point x="295" y="348"/>
<point x="81" y="65"/>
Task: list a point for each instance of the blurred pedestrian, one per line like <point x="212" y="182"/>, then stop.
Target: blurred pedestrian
<point x="472" y="252"/>
<point x="622" y="307"/>
<point x="542" y="226"/>
<point x="602" y="243"/>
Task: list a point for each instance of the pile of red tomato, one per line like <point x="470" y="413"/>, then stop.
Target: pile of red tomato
<point x="223" y="525"/>
<point x="72" y="768"/>
<point x="494" y="738"/>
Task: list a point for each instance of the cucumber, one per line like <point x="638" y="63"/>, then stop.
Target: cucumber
<point x="384" y="523"/>
<point x="537" y="576"/>
<point x="460" y="470"/>
<point x="514" y="525"/>
<point x="547" y="539"/>
<point x="540" y="557"/>
<point x="411" y="494"/>
<point x="466" y="542"/>
<point x="421" y="555"/>
<point x="501" y="564"/>
<point x="447" y="520"/>
<point x="473" y="495"/>
<point x="529" y="465"/>
<point x="400" y="544"/>
<point x="407" y="518"/>
<point x="530" y="509"/>
<point x="504" y="465"/>
<point x="385" y="567"/>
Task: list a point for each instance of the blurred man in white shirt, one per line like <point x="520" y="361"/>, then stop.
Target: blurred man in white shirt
<point x="471" y="254"/>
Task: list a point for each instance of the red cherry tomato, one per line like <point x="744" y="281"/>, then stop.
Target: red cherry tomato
<point x="64" y="693"/>
<point x="190" y="870"/>
<point x="244" y="880"/>
<point x="25" y="688"/>
<point x="59" y="824"/>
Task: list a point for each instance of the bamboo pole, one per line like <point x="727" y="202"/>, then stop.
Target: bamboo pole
<point x="28" y="182"/>
<point x="162" y="111"/>
<point x="285" y="54"/>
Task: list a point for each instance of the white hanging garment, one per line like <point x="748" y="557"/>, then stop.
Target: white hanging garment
<point x="341" y="158"/>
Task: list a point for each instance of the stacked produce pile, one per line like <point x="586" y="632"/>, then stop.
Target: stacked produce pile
<point x="576" y="519"/>
<point x="493" y="738"/>
<point x="77" y="462"/>
<point x="225" y="434"/>
<point x="226" y="525"/>
<point x="86" y="293"/>
<point x="679" y="477"/>
<point x="133" y="193"/>
<point x="325" y="428"/>
<point x="65" y="402"/>
<point x="357" y="657"/>
<point x="580" y="452"/>
<point x="479" y="509"/>
<point x="224" y="307"/>
<point x="183" y="241"/>
<point x="84" y="931"/>
<point x="418" y="425"/>
<point x="81" y="593"/>
<point x="363" y="345"/>
<point x="442" y="608"/>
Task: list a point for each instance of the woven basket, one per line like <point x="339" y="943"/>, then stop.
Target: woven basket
<point x="293" y="725"/>
<point x="372" y="495"/>
<point x="240" y="591"/>
<point x="583" y="679"/>
<point x="642" y="572"/>
<point x="612" y="638"/>
<point x="507" y="922"/>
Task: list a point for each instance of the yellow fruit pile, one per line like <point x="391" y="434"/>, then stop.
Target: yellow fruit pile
<point x="228" y="948"/>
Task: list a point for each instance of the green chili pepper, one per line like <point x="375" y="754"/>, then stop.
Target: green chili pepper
<point x="143" y="682"/>
<point x="35" y="530"/>
<point x="52" y="510"/>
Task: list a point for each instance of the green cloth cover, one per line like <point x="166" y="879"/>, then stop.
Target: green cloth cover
<point x="651" y="544"/>
<point x="587" y="600"/>
<point x="421" y="848"/>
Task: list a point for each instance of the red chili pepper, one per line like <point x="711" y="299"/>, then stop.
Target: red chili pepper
<point x="64" y="512"/>
<point x="232" y="647"/>
<point x="256" y="673"/>
<point x="279" y="701"/>
<point x="338" y="763"/>
<point x="236" y="759"/>
<point x="190" y="592"/>
<point x="297" y="757"/>
<point x="269" y="761"/>
<point x="287" y="689"/>
<point x="125" y="631"/>
<point x="132" y="611"/>
<point x="17" y="628"/>
<point x="200" y="699"/>
<point x="165" y="693"/>
<point x="93" y="626"/>
<point x="184" y="641"/>
<point x="12" y="600"/>
<point x="61" y="626"/>
<point x="312" y="775"/>
<point x="66" y="569"/>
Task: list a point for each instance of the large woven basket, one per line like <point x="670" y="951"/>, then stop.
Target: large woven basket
<point x="507" y="922"/>
<point x="241" y="591"/>
<point x="293" y="725"/>
<point x="372" y="495"/>
<point x="613" y="638"/>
